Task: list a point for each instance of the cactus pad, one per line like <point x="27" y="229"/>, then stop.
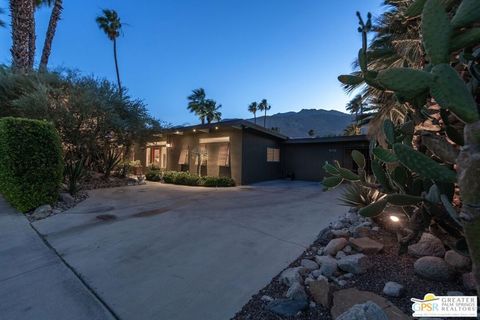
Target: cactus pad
<point x="423" y="165"/>
<point x="348" y="175"/>
<point x="403" y="199"/>
<point x="359" y="159"/>
<point x="350" y="80"/>
<point x="450" y="92"/>
<point x="467" y="38"/>
<point x="332" y="182"/>
<point x="405" y="80"/>
<point x="373" y="209"/>
<point x="468" y="12"/>
<point x="384" y="155"/>
<point x="436" y="31"/>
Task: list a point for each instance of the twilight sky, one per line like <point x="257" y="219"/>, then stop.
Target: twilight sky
<point x="287" y="51"/>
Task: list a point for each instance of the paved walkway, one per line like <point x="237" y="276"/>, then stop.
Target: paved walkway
<point x="34" y="282"/>
<point x="186" y="253"/>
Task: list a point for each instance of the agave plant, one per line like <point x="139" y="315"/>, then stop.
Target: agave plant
<point x="74" y="173"/>
<point x="358" y="195"/>
<point x="110" y="160"/>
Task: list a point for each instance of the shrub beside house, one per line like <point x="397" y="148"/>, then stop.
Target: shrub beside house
<point x="31" y="162"/>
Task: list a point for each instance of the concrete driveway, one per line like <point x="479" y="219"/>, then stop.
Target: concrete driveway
<point x="172" y="252"/>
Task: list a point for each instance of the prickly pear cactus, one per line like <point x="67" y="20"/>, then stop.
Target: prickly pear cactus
<point x="422" y="171"/>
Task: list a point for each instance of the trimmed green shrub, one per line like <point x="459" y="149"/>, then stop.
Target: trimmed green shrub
<point x="188" y="179"/>
<point x="217" y="182"/>
<point x="31" y="162"/>
<point x="169" y="176"/>
<point x="153" y="174"/>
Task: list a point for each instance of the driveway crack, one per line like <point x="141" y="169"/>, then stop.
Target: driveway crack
<point x="77" y="275"/>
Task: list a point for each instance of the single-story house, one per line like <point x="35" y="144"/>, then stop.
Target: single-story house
<point x="246" y="152"/>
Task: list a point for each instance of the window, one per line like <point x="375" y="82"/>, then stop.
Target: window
<point x="183" y="159"/>
<point x="273" y="155"/>
<point x="224" y="155"/>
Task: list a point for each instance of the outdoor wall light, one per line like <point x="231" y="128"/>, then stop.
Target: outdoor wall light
<point x="168" y="145"/>
<point x="194" y="130"/>
<point x="216" y="128"/>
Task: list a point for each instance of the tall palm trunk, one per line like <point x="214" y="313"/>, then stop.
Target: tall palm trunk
<point x="255" y="117"/>
<point x="116" y="66"/>
<point x="265" y="119"/>
<point x="32" y="36"/>
<point x="22" y="13"/>
<point x="52" y="27"/>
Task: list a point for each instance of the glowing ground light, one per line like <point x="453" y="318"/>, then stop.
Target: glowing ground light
<point x="394" y="218"/>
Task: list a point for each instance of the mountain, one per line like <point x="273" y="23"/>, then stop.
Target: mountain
<point x="297" y="124"/>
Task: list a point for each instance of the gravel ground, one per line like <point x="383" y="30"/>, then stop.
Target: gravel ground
<point x="385" y="266"/>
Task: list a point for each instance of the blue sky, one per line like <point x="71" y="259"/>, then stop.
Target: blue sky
<point x="287" y="51"/>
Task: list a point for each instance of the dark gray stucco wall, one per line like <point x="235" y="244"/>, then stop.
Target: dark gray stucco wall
<point x="305" y="161"/>
<point x="255" y="165"/>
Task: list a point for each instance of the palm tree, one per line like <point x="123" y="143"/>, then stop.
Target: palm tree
<point x="396" y="43"/>
<point x="211" y="111"/>
<point x="111" y="25"/>
<point x="23" y="34"/>
<point x="52" y="27"/>
<point x="264" y="106"/>
<point x="352" y="130"/>
<point x="197" y="102"/>
<point x="253" y="108"/>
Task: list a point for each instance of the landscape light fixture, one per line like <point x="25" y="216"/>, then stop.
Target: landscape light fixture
<point x="395" y="219"/>
<point x="194" y="130"/>
<point x="216" y="128"/>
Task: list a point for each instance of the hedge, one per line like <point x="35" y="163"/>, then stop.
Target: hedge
<point x="31" y="162"/>
<point x="188" y="179"/>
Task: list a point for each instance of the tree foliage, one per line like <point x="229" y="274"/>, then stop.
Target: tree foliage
<point x="89" y="113"/>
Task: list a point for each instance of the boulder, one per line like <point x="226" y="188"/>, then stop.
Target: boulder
<point x="321" y="292"/>
<point x="42" y="211"/>
<point x="433" y="268"/>
<point x="342" y="233"/>
<point x="340" y="255"/>
<point x="308" y="280"/>
<point x="347" y="249"/>
<point x="366" y="245"/>
<point x="393" y="289"/>
<point x="457" y="261"/>
<point x="469" y="282"/>
<point x="337" y="225"/>
<point x="335" y="245"/>
<point x="328" y="265"/>
<point x="429" y="245"/>
<point x="345" y="299"/>
<point x="266" y="298"/>
<point x="309" y="264"/>
<point x="66" y="197"/>
<point x="360" y="231"/>
<point x="355" y="263"/>
<point x="290" y="276"/>
<point x="296" y="292"/>
<point x="325" y="235"/>
<point x="365" y="311"/>
<point x="287" y="307"/>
